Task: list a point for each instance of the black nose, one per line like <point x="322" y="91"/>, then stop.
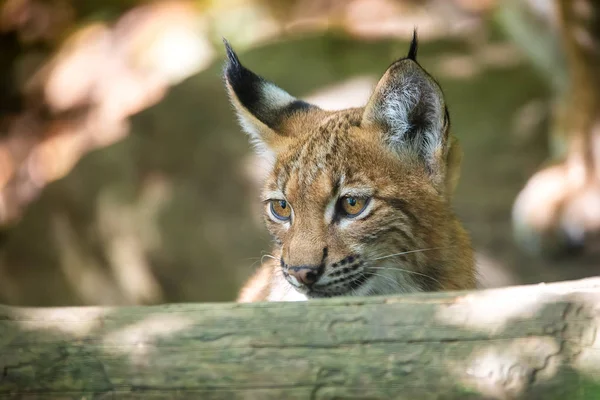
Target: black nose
<point x="306" y="275"/>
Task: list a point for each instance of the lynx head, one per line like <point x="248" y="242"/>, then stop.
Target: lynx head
<point x="358" y="201"/>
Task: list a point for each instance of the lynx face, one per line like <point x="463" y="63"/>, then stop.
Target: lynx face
<point x="358" y="201"/>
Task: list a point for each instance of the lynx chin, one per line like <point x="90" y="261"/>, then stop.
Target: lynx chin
<point x="358" y="201"/>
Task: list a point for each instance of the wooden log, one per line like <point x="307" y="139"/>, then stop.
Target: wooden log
<point x="529" y="342"/>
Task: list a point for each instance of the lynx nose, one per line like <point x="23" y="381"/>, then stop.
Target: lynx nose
<point x="305" y="275"/>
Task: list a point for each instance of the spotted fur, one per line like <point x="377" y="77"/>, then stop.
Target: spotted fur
<point x="396" y="152"/>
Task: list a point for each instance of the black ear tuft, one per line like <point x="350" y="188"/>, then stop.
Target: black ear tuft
<point x="238" y="76"/>
<point x="232" y="58"/>
<point x="245" y="84"/>
<point x="256" y="96"/>
<point x="414" y="46"/>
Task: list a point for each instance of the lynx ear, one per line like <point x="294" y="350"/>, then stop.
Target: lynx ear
<point x="262" y="107"/>
<point x="408" y="108"/>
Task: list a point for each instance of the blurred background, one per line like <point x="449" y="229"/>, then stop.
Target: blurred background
<point x="124" y="178"/>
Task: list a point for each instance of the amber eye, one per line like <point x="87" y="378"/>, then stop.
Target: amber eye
<point x="281" y="209"/>
<point x="353" y="206"/>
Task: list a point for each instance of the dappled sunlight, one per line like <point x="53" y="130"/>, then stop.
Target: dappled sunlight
<point x="499" y="55"/>
<point x="123" y="233"/>
<point x="588" y="361"/>
<point x="352" y="92"/>
<point x="170" y="41"/>
<point x="138" y="340"/>
<point x="132" y="272"/>
<point x="538" y="332"/>
<point x="247" y="22"/>
<point x="6" y="166"/>
<point x="83" y="273"/>
<point x="494" y="309"/>
<point x="131" y="59"/>
<point x="82" y="94"/>
<point x="457" y="66"/>
<point x="68" y="79"/>
<point x="491" y="310"/>
<point x="467" y="66"/>
<point x="388" y="18"/>
<point x="371" y="344"/>
<point x="54" y="157"/>
<point x="506" y="369"/>
<point x="75" y="325"/>
<point x="584" y="334"/>
<point x="377" y="18"/>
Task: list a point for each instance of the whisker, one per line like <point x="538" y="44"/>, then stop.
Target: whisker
<point x="254" y="263"/>
<point x="410" y="251"/>
<point x="278" y="272"/>
<point x="407" y="271"/>
<point x="403" y="218"/>
<point x="394" y="284"/>
<point x="268" y="256"/>
<point x="287" y="289"/>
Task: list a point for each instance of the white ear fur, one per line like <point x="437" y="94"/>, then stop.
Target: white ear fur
<point x="259" y="134"/>
<point x="408" y="107"/>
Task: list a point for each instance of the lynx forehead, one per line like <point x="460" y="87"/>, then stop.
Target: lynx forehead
<point x="358" y="201"/>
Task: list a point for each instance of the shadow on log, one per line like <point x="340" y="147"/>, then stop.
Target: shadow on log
<point x="529" y="342"/>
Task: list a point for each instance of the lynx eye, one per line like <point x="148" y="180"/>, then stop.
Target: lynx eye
<point x="281" y="210"/>
<point x="353" y="206"/>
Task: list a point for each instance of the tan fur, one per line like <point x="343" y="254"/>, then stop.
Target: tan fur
<point x="309" y="187"/>
<point x="318" y="156"/>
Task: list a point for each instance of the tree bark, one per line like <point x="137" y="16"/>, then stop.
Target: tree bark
<point x="529" y="342"/>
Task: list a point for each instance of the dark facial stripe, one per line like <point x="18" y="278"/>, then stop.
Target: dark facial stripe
<point x="336" y="186"/>
<point x="425" y="282"/>
<point x="401" y="206"/>
<point x="387" y="230"/>
<point x="342" y="286"/>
